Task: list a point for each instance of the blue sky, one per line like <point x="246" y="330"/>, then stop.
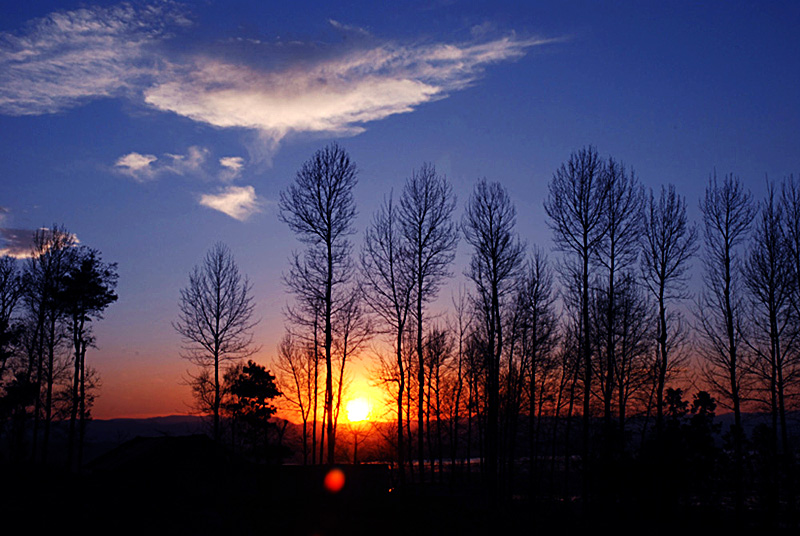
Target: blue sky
<point x="153" y="129"/>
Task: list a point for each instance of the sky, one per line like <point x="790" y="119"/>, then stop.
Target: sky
<point x="151" y="130"/>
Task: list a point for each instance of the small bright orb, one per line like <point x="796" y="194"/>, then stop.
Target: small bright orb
<point x="334" y="480"/>
<point x="357" y="410"/>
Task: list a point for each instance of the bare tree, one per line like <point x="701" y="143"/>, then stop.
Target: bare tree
<point x="388" y="286"/>
<point x="668" y="244"/>
<point x="52" y="254"/>
<point x="772" y="334"/>
<point x="462" y="326"/>
<point x="790" y="202"/>
<point x="536" y="296"/>
<point x="353" y="328"/>
<point x="296" y="367"/>
<point x="497" y="257"/>
<point x="727" y="214"/>
<point x="431" y="236"/>
<point x="11" y="290"/>
<point x="319" y="208"/>
<point x="215" y="323"/>
<point x="617" y="251"/>
<point x="633" y="328"/>
<point x="576" y="209"/>
<point x="439" y="351"/>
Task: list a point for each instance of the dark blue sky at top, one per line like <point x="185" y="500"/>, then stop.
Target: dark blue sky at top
<point x="672" y="89"/>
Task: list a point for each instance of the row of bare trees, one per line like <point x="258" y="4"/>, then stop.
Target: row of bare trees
<point x="600" y="334"/>
<point x="48" y="304"/>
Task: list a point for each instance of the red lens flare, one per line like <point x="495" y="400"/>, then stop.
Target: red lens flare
<point x="334" y="480"/>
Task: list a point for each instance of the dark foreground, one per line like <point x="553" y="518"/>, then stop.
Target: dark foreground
<point x="293" y="501"/>
<point x="189" y="486"/>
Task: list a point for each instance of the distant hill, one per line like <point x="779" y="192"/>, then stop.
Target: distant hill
<point x="120" y="430"/>
<point x="104" y="435"/>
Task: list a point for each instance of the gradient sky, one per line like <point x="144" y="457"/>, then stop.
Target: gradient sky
<point x="152" y="130"/>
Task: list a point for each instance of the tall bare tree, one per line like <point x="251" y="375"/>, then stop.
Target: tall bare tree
<point x="668" y="244"/>
<point x="215" y="322"/>
<point x="489" y="227"/>
<point x="319" y="208"/>
<point x="461" y="325"/>
<point x="617" y="251"/>
<point x="388" y="287"/>
<point x="728" y="211"/>
<point x="52" y="254"/>
<point x="11" y="290"/>
<point x="536" y="296"/>
<point x="772" y="334"/>
<point x="576" y="209"/>
<point x="790" y="202"/>
<point x="431" y="236"/>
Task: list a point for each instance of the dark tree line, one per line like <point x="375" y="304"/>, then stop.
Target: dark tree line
<point x="576" y="363"/>
<point x="48" y="303"/>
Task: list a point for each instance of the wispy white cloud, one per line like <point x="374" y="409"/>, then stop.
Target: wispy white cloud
<point x="333" y="95"/>
<point x="271" y="89"/>
<point x="67" y="57"/>
<point x="185" y="164"/>
<point x="138" y="166"/>
<point x="348" y="28"/>
<point x="147" y="167"/>
<point x="238" y="202"/>
<point x="231" y="167"/>
<point x="234" y="163"/>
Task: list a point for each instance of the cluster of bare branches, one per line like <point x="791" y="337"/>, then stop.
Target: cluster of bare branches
<point x="587" y="355"/>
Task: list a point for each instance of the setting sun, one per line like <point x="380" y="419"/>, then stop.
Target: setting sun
<point x="357" y="410"/>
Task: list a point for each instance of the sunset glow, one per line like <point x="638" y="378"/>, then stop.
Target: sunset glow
<point x="358" y="410"/>
<point x="400" y="268"/>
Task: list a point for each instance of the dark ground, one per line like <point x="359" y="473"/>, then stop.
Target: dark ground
<point x="243" y="500"/>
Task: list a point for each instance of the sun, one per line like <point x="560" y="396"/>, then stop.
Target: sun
<point x="357" y="410"/>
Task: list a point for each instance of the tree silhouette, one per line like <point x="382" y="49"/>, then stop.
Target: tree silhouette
<point x="388" y="288"/>
<point x="489" y="227"/>
<point x="215" y="323"/>
<point x="431" y="237"/>
<point x="576" y="209"/>
<point x="320" y="210"/>
<point x="772" y="328"/>
<point x="87" y="289"/>
<point x="617" y="251"/>
<point x="52" y="255"/>
<point x="668" y="243"/>
<point x="727" y="215"/>
<point x="253" y="389"/>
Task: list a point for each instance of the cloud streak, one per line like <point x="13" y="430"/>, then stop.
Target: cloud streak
<point x="69" y="57"/>
<point x="148" y="167"/>
<point x="137" y="166"/>
<point x="238" y="202"/>
<point x="333" y="95"/>
<point x="273" y="89"/>
<point x="232" y="167"/>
